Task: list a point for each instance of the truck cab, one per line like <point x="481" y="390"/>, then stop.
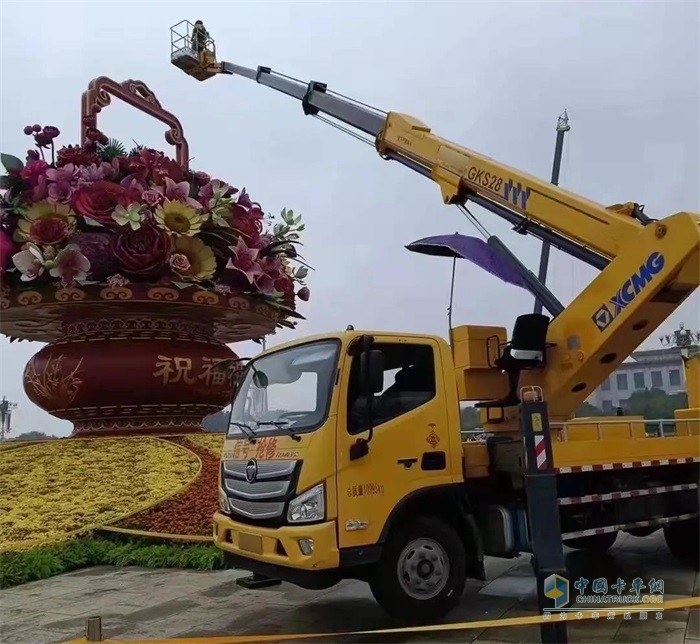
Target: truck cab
<point x="330" y="446"/>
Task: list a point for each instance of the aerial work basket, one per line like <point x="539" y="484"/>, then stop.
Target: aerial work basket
<point x="192" y="49"/>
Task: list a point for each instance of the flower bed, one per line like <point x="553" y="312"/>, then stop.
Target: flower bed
<point x="60" y="488"/>
<point x="212" y="442"/>
<point x="99" y="214"/>
<point x="191" y="511"/>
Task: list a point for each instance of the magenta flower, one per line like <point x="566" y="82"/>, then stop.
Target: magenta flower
<point x="133" y="186"/>
<point x="178" y="192"/>
<point x="70" y="265"/>
<point x="62" y="182"/>
<point x="265" y="284"/>
<point x="6" y="248"/>
<point x="244" y="261"/>
<point x="93" y="172"/>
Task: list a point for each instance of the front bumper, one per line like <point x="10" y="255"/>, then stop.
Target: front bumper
<point x="279" y="547"/>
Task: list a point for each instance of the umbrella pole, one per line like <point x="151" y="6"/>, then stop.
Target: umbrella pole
<point x="449" y="310"/>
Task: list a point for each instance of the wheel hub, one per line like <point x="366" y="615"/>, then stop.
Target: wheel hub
<point x="423" y="568"/>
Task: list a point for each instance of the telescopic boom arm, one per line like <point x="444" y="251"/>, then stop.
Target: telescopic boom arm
<point x="648" y="267"/>
<point x="579" y="227"/>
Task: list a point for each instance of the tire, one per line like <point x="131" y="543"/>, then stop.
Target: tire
<point x="682" y="539"/>
<point x="421" y="575"/>
<point x="598" y="542"/>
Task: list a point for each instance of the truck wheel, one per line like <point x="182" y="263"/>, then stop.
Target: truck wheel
<point x="682" y="539"/>
<point x="597" y="542"/>
<point x="421" y="574"/>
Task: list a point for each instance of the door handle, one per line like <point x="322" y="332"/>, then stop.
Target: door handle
<point x="407" y="462"/>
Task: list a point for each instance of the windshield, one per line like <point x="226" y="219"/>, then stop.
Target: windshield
<point x="287" y="392"/>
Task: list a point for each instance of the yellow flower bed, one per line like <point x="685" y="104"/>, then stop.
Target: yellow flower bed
<point x="212" y="442"/>
<point x="60" y="488"/>
<point x="13" y="444"/>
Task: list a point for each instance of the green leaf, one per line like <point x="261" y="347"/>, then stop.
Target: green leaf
<point x="302" y="272"/>
<point x="182" y="285"/>
<point x="5" y="182"/>
<point x="302" y="227"/>
<point x="11" y="162"/>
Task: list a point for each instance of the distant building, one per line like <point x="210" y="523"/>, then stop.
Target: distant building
<point x="652" y="369"/>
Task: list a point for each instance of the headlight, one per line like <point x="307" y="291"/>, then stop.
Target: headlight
<point x="310" y="506"/>
<point x="223" y="502"/>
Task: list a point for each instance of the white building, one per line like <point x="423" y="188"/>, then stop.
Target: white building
<point x="652" y="369"/>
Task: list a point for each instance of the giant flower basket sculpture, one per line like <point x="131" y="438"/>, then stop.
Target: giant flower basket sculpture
<point x="137" y="272"/>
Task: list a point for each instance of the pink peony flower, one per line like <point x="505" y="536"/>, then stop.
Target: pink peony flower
<point x="70" y="265"/>
<point x="179" y="263"/>
<point x="29" y="262"/>
<point x="243" y="261"/>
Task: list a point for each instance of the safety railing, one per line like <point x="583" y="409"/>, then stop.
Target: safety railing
<point x="655" y="428"/>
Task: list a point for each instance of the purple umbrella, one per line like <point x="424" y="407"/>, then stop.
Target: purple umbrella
<point x="475" y="250"/>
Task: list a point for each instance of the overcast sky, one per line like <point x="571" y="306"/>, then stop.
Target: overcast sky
<point x="490" y="76"/>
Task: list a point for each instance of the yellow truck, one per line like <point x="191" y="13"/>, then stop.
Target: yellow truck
<point x="344" y="456"/>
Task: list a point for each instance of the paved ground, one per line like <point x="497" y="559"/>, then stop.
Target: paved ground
<point x="146" y="604"/>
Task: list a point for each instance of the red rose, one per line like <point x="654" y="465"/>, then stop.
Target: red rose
<point x="98" y="201"/>
<point x="143" y="252"/>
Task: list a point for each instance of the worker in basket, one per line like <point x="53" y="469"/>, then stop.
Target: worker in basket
<point x="200" y="36"/>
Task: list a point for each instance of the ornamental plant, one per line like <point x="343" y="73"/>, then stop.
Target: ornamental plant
<point x="97" y="214"/>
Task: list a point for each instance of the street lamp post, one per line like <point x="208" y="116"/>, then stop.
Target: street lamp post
<point x="562" y="128"/>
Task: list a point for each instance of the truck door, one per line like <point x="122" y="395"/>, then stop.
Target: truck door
<point x="410" y="445"/>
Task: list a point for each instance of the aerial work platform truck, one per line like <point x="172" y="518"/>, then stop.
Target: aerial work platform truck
<point x="344" y="457"/>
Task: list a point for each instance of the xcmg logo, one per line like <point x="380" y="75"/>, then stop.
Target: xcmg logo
<point x="638" y="281"/>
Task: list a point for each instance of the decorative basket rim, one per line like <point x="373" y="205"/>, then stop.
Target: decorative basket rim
<point x="39" y="314"/>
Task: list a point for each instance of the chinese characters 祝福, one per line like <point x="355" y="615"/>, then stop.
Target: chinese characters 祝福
<point x="177" y="369"/>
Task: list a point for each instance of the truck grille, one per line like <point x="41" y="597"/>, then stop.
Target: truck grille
<point x="265" y="498"/>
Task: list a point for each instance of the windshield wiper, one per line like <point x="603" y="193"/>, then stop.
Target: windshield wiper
<point x="245" y="429"/>
<point x="281" y="425"/>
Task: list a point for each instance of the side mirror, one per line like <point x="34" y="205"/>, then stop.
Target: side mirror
<point x="260" y="379"/>
<point x="372" y="370"/>
<point x="359" y="449"/>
